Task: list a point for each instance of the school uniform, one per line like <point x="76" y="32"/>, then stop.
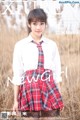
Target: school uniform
<point x="37" y="69"/>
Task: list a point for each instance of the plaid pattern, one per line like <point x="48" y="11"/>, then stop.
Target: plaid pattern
<point x="39" y="91"/>
<point x="41" y="57"/>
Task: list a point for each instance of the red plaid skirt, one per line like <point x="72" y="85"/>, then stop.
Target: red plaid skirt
<point x="39" y="92"/>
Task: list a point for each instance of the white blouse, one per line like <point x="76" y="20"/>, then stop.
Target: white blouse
<point x="25" y="57"/>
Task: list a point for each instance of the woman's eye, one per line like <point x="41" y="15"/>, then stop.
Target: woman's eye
<point x="34" y="23"/>
<point x="42" y="23"/>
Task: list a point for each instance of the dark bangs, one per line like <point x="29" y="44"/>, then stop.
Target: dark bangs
<point x="37" y="14"/>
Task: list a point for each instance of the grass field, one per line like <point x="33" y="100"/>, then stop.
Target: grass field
<point x="69" y="47"/>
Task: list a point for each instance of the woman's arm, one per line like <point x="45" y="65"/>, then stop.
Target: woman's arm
<point x="16" y="91"/>
<point x="17" y="73"/>
<point x="57" y="64"/>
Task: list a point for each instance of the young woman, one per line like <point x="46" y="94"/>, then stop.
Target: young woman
<point x="37" y="69"/>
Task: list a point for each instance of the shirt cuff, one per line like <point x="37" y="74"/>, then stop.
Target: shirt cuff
<point x="58" y="79"/>
<point x="16" y="81"/>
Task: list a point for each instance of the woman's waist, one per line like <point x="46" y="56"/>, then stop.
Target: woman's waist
<point x="45" y="67"/>
<point x="38" y="74"/>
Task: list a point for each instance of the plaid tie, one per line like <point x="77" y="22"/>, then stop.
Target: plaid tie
<point x="40" y="55"/>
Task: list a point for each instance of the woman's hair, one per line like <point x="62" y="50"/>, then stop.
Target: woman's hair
<point x="36" y="14"/>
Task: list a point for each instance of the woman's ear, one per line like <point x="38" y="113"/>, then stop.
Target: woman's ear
<point x="29" y="25"/>
<point x="46" y="26"/>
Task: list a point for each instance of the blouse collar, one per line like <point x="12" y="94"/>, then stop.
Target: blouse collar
<point x="42" y="39"/>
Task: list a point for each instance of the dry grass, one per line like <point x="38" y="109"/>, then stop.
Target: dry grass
<point x="69" y="47"/>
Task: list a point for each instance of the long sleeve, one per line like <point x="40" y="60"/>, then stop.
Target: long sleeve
<point x="17" y="66"/>
<point x="57" y="64"/>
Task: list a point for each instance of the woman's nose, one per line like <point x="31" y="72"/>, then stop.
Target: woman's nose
<point x="38" y="26"/>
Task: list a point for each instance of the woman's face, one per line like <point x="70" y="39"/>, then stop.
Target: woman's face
<point x="37" y="28"/>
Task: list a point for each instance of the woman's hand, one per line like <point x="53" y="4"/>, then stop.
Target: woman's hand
<point x="15" y="107"/>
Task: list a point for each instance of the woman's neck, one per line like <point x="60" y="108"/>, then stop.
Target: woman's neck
<point x="36" y="39"/>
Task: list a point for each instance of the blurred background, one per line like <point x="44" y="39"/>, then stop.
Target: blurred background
<point x="63" y="28"/>
<point x="62" y="18"/>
